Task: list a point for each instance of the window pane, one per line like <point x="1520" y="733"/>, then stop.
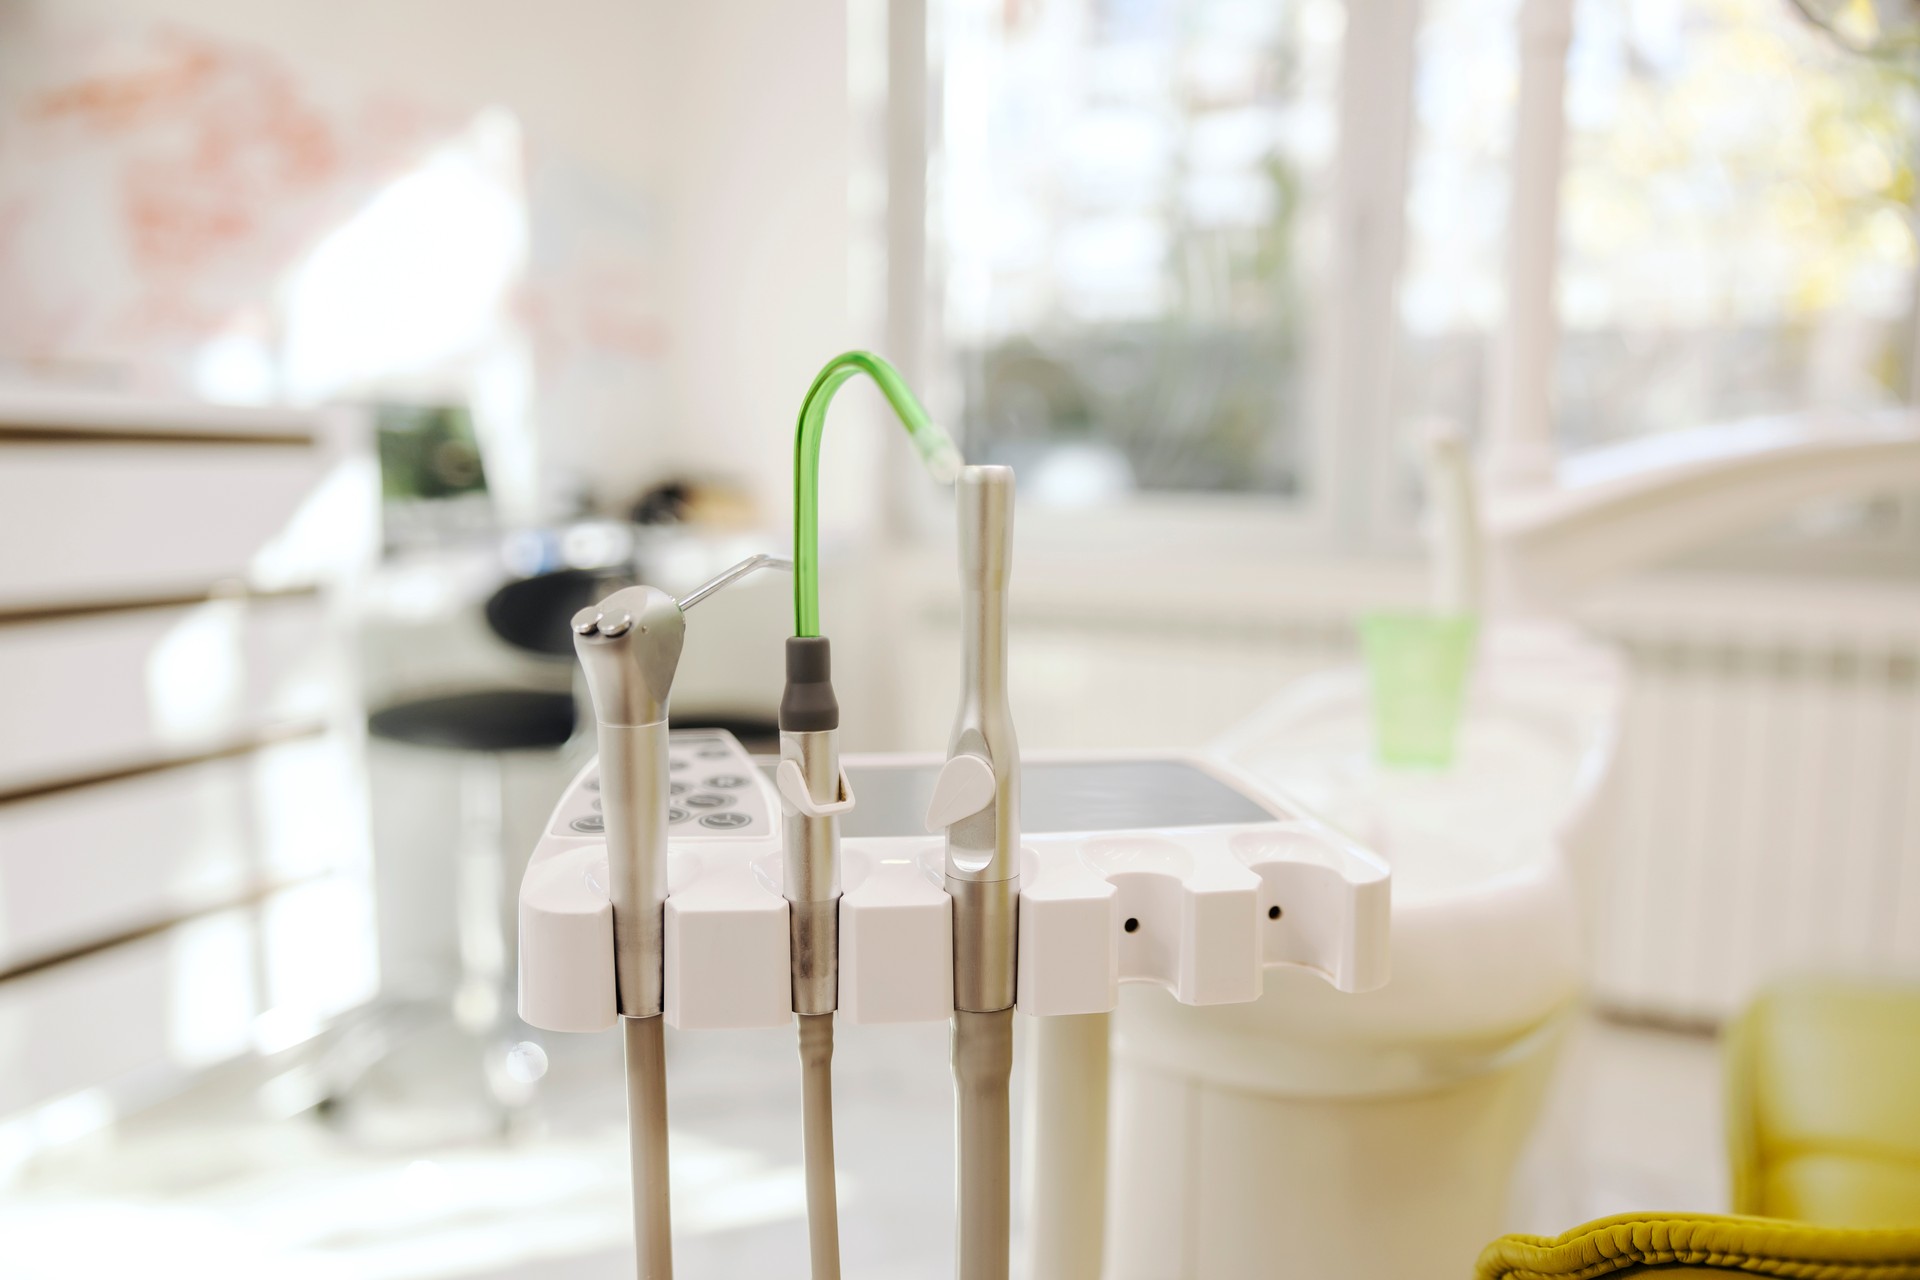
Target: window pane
<point x="1736" y="235"/>
<point x="1736" y="232"/>
<point x="1452" y="284"/>
<point x="1128" y="205"/>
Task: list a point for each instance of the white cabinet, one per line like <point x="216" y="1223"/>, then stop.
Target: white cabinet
<point x="183" y="830"/>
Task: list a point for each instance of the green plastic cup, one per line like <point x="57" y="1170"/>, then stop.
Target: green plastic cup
<point x="1417" y="665"/>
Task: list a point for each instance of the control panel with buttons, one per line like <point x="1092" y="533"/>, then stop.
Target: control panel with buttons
<point x="713" y="792"/>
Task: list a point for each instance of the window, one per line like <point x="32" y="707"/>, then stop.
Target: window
<point x="1139" y="204"/>
<point x="1131" y="218"/>
<point x="1736" y="224"/>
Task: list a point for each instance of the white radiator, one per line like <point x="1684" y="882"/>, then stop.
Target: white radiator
<point x="1766" y="816"/>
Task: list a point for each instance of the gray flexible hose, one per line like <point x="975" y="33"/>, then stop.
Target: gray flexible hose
<point x="982" y="1071"/>
<point x="816" y="1087"/>
<point x="647" y="1145"/>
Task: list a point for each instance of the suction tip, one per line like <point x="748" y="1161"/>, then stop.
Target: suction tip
<point x="944" y="462"/>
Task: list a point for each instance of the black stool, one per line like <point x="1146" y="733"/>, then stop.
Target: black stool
<point x="485" y="726"/>
<point x="489" y="720"/>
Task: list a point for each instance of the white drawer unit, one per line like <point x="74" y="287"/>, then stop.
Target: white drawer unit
<point x="188" y="996"/>
<point x="118" y="690"/>
<point x="183" y="830"/>
<point x="93" y="862"/>
<point x="185" y="515"/>
<point x="108" y="500"/>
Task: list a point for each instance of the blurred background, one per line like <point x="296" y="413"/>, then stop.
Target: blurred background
<point x="347" y="347"/>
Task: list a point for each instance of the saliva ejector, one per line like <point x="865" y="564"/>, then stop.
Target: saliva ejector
<point x="681" y="880"/>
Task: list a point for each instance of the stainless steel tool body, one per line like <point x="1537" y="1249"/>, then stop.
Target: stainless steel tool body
<point x="629" y="646"/>
<point x="977" y="802"/>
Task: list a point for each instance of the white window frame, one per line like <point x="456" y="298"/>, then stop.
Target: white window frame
<point x="1347" y="499"/>
<point x="1352" y="504"/>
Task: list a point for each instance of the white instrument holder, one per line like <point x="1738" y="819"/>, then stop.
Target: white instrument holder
<point x="1201" y="911"/>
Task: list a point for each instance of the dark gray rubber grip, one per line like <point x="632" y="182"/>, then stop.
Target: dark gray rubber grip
<point x="808" y="705"/>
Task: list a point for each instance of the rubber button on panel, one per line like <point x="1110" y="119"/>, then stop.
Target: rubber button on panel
<point x="677" y="814"/>
<point x="709" y="800"/>
<point x="677" y="765"/>
<point x="593" y="783"/>
<point x="593" y="824"/>
<point x="727" y="780"/>
<point x="725" y="821"/>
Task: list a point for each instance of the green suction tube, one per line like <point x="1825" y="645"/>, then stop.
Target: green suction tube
<point x="936" y="450"/>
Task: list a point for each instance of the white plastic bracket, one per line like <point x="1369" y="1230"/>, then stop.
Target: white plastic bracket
<point x="965" y="787"/>
<point x="793" y="789"/>
<point x="1201" y="911"/>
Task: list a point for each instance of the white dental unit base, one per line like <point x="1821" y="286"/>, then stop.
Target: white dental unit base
<point x="1166" y="869"/>
<point x="682" y="882"/>
<point x="1172" y="870"/>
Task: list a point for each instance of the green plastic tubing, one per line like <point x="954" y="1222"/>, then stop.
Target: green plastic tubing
<point x="933" y="444"/>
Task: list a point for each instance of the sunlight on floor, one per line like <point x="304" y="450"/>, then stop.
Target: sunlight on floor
<point x="1634" y="1122"/>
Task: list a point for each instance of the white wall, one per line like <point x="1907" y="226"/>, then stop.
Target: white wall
<point x="724" y="125"/>
<point x="753" y="172"/>
<point x="568" y="68"/>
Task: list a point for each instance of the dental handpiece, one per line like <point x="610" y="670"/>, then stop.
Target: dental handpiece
<point x="977" y="801"/>
<point x="629" y="647"/>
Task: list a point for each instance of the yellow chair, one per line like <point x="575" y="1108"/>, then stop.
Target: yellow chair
<point x="1823" y="1104"/>
<point x="1823" y="1126"/>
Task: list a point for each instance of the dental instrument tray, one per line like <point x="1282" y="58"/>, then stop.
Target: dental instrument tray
<point x="1160" y="868"/>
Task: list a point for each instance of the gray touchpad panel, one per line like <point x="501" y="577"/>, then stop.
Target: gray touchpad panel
<point x="1059" y="796"/>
